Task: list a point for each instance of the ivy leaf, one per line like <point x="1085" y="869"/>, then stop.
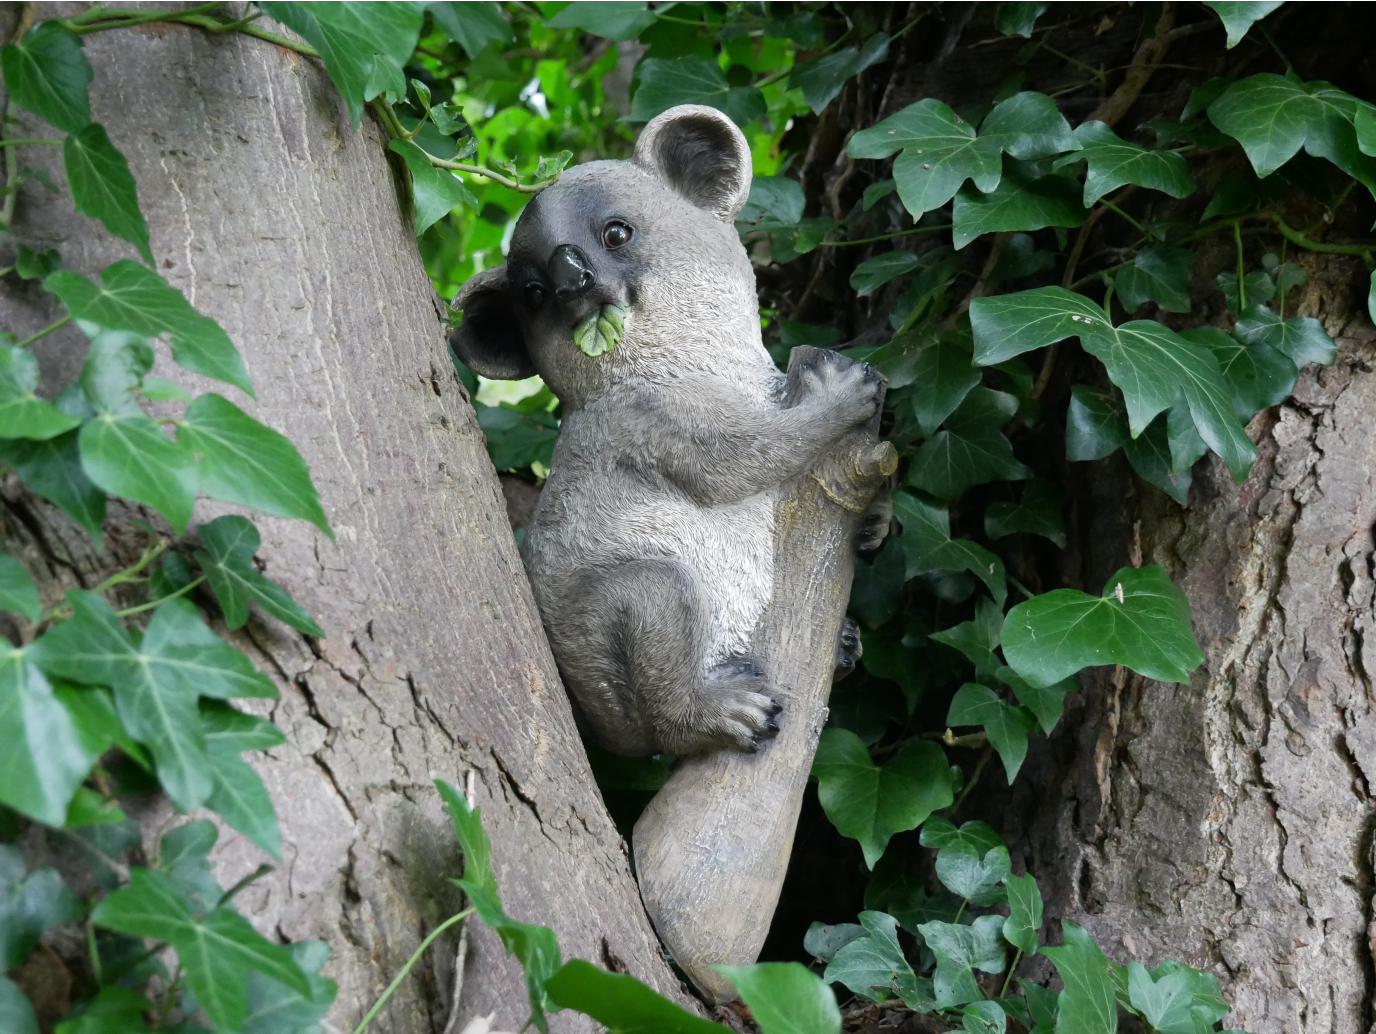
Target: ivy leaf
<point x="942" y="376"/>
<point x="29" y="906"/>
<point x="976" y="837"/>
<point x="103" y="187"/>
<point x="618" y="22"/>
<point x="1142" y="622"/>
<point x="437" y="191"/>
<point x="927" y="543"/>
<point x="1047" y="703"/>
<point x="1302" y="338"/>
<point x="1272" y="117"/>
<point x="822" y="79"/>
<point x="364" y="46"/>
<point x="184" y="854"/>
<point x="1017" y="19"/>
<point x="873" y="966"/>
<point x="870" y="804"/>
<point x="48" y="74"/>
<point x="972" y="876"/>
<point x="1006" y="726"/>
<point x="16" y="1014"/>
<point x="1114" y="162"/>
<point x="1023" y="200"/>
<point x="941" y="150"/>
<point x="1037" y="513"/>
<point x="959" y="951"/>
<point x="1371" y="297"/>
<point x="1207" y="1004"/>
<point x="1257" y="286"/>
<point x="44" y="760"/>
<point x="823" y="941"/>
<point x="52" y="468"/>
<point x="227" y="560"/>
<point x="621" y="1003"/>
<point x="1095" y="424"/>
<point x="156" y="682"/>
<point x="785" y="998"/>
<point x="778" y="200"/>
<point x="1088" y="1002"/>
<point x="215" y="950"/>
<point x="116" y="1010"/>
<point x="1149" y="362"/>
<point x="1151" y="455"/>
<point x="1186" y="447"/>
<point x="978" y="638"/>
<point x="1158" y="273"/>
<point x="472" y="25"/>
<point x="666" y="82"/>
<point x="137" y="299"/>
<point x="22" y="414"/>
<point x="129" y="456"/>
<point x="878" y="271"/>
<point x="241" y="461"/>
<point x="1164" y="1003"/>
<point x="1024" y="913"/>
<point x="276" y="1008"/>
<point x="237" y="792"/>
<point x="987" y="1017"/>
<point x="1041" y="1005"/>
<point x="18" y="594"/>
<point x="535" y="947"/>
<point x="1257" y="375"/>
<point x="971" y="450"/>
<point x="35" y="265"/>
<point x="876" y="192"/>
<point x="1237" y="17"/>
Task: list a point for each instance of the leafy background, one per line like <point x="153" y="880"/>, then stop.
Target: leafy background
<point x="965" y="242"/>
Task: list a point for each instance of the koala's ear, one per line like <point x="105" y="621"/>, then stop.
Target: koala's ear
<point x="699" y="153"/>
<point x="489" y="341"/>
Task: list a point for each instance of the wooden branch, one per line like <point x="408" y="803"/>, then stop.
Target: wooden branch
<point x="712" y="848"/>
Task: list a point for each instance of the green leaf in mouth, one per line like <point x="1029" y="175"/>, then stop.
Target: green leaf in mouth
<point x="600" y="330"/>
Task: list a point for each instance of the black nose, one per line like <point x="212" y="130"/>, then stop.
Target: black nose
<point x="570" y="272"/>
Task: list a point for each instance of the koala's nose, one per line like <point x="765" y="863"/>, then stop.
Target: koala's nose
<point x="571" y="272"/>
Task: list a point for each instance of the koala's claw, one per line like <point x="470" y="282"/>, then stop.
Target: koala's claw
<point x="848" y="650"/>
<point x="736" y="712"/>
<point x="852" y="391"/>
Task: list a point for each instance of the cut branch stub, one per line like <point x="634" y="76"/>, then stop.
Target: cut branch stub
<point x="712" y="848"/>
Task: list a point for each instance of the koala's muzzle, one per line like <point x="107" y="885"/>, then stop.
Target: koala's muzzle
<point x="570" y="272"/>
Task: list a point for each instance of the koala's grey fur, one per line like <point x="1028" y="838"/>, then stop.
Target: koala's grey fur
<point x="651" y="551"/>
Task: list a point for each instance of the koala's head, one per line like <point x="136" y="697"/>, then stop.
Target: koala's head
<point x="648" y="244"/>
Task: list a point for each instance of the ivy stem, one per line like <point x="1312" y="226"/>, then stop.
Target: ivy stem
<point x="1016" y="959"/>
<point x="19" y="143"/>
<point x="1019" y="586"/>
<point x="1108" y="298"/>
<point x="1283" y="292"/>
<point x="165" y="1006"/>
<point x="127" y="575"/>
<point x="1114" y="208"/>
<point x="97" y="19"/>
<point x="883" y="237"/>
<point x="974" y="778"/>
<point x="256" y="874"/>
<point x="1295" y="237"/>
<point x="961" y="910"/>
<point x="44" y="332"/>
<point x="1241" y="284"/>
<point x="159" y="602"/>
<point x="377" y="1006"/>
<point x="94" y="951"/>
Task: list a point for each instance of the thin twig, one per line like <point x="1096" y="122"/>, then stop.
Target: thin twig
<point x="1149" y="55"/>
<point x="883" y="237"/>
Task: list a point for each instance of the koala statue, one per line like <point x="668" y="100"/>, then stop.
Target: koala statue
<point x="651" y="551"/>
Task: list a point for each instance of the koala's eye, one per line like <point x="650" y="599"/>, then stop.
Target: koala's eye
<point x="535" y="294"/>
<point x="615" y="234"/>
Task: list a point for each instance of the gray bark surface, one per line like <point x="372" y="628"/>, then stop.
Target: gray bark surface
<point x="1228" y="823"/>
<point x="279" y="220"/>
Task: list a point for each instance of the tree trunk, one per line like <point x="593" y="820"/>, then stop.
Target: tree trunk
<point x="279" y="220"/>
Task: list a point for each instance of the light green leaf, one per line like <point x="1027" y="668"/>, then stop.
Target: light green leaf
<point x="1238" y="15"/>
<point x="215" y="951"/>
<point x="774" y="200"/>
<point x="601" y="329"/>
<point x="666" y="82"/>
<point x="52" y="468"/>
<point x="1158" y="273"/>
<point x="823" y="78"/>
<point x="973" y="876"/>
<point x="621" y="1003"/>
<point x="35" y="265"/>
<point x="1207" y="1004"/>
<point x="1302" y="338"/>
<point x="363" y="45"/>
<point x="978" y="638"/>
<point x="16" y="1014"/>
<point x="1149" y="362"/>
<point x="959" y="951"/>
<point x="1046" y="702"/>
<point x="1088" y="1003"/>
<point x="437" y="191"/>
<point x="1038" y="512"/>
<point x="238" y="794"/>
<point x="1017" y="19"/>
<point x="129" y="456"/>
<point x="970" y="450"/>
<point x="156" y="682"/>
<point x="870" y="804"/>
<point x="18" y="594"/>
<point x="1114" y="162"/>
<point x="1023" y="200"/>
<point x="1164" y="1003"/>
<point x="114" y="369"/>
<point x="97" y="723"/>
<point x="1095" y="424"/>
<point x="241" y="461"/>
<point x="276" y="1008"/>
<point x="878" y="271"/>
<point x="614" y="21"/>
<point x="785" y="998"/>
<point x="103" y="187"/>
<point x="874" y="968"/>
<point x="535" y="947"/>
<point x="43" y="761"/>
<point x="976" y="837"/>
<point x="1142" y="622"/>
<point x="48" y="74"/>
<point x="1006" y="726"/>
<point x="1256" y="374"/>
<point x="1024" y="913"/>
<point x="227" y="560"/>
<point x="137" y="299"/>
<point x="926" y="542"/>
<point x="228" y="731"/>
<point x="472" y="24"/>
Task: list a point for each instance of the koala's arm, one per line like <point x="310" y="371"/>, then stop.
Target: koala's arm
<point x="720" y="446"/>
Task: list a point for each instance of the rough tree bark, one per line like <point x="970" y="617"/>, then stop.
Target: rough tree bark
<point x="280" y="221"/>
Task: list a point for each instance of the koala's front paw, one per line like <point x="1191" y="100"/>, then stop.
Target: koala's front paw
<point x="737" y="712"/>
<point x="850" y="391"/>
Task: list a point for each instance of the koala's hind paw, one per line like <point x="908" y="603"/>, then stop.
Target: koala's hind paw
<point x="874" y="526"/>
<point x="848" y="650"/>
<point x="737" y="711"/>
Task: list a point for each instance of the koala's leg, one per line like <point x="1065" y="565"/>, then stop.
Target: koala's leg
<point x="848" y="650"/>
<point x="634" y="657"/>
